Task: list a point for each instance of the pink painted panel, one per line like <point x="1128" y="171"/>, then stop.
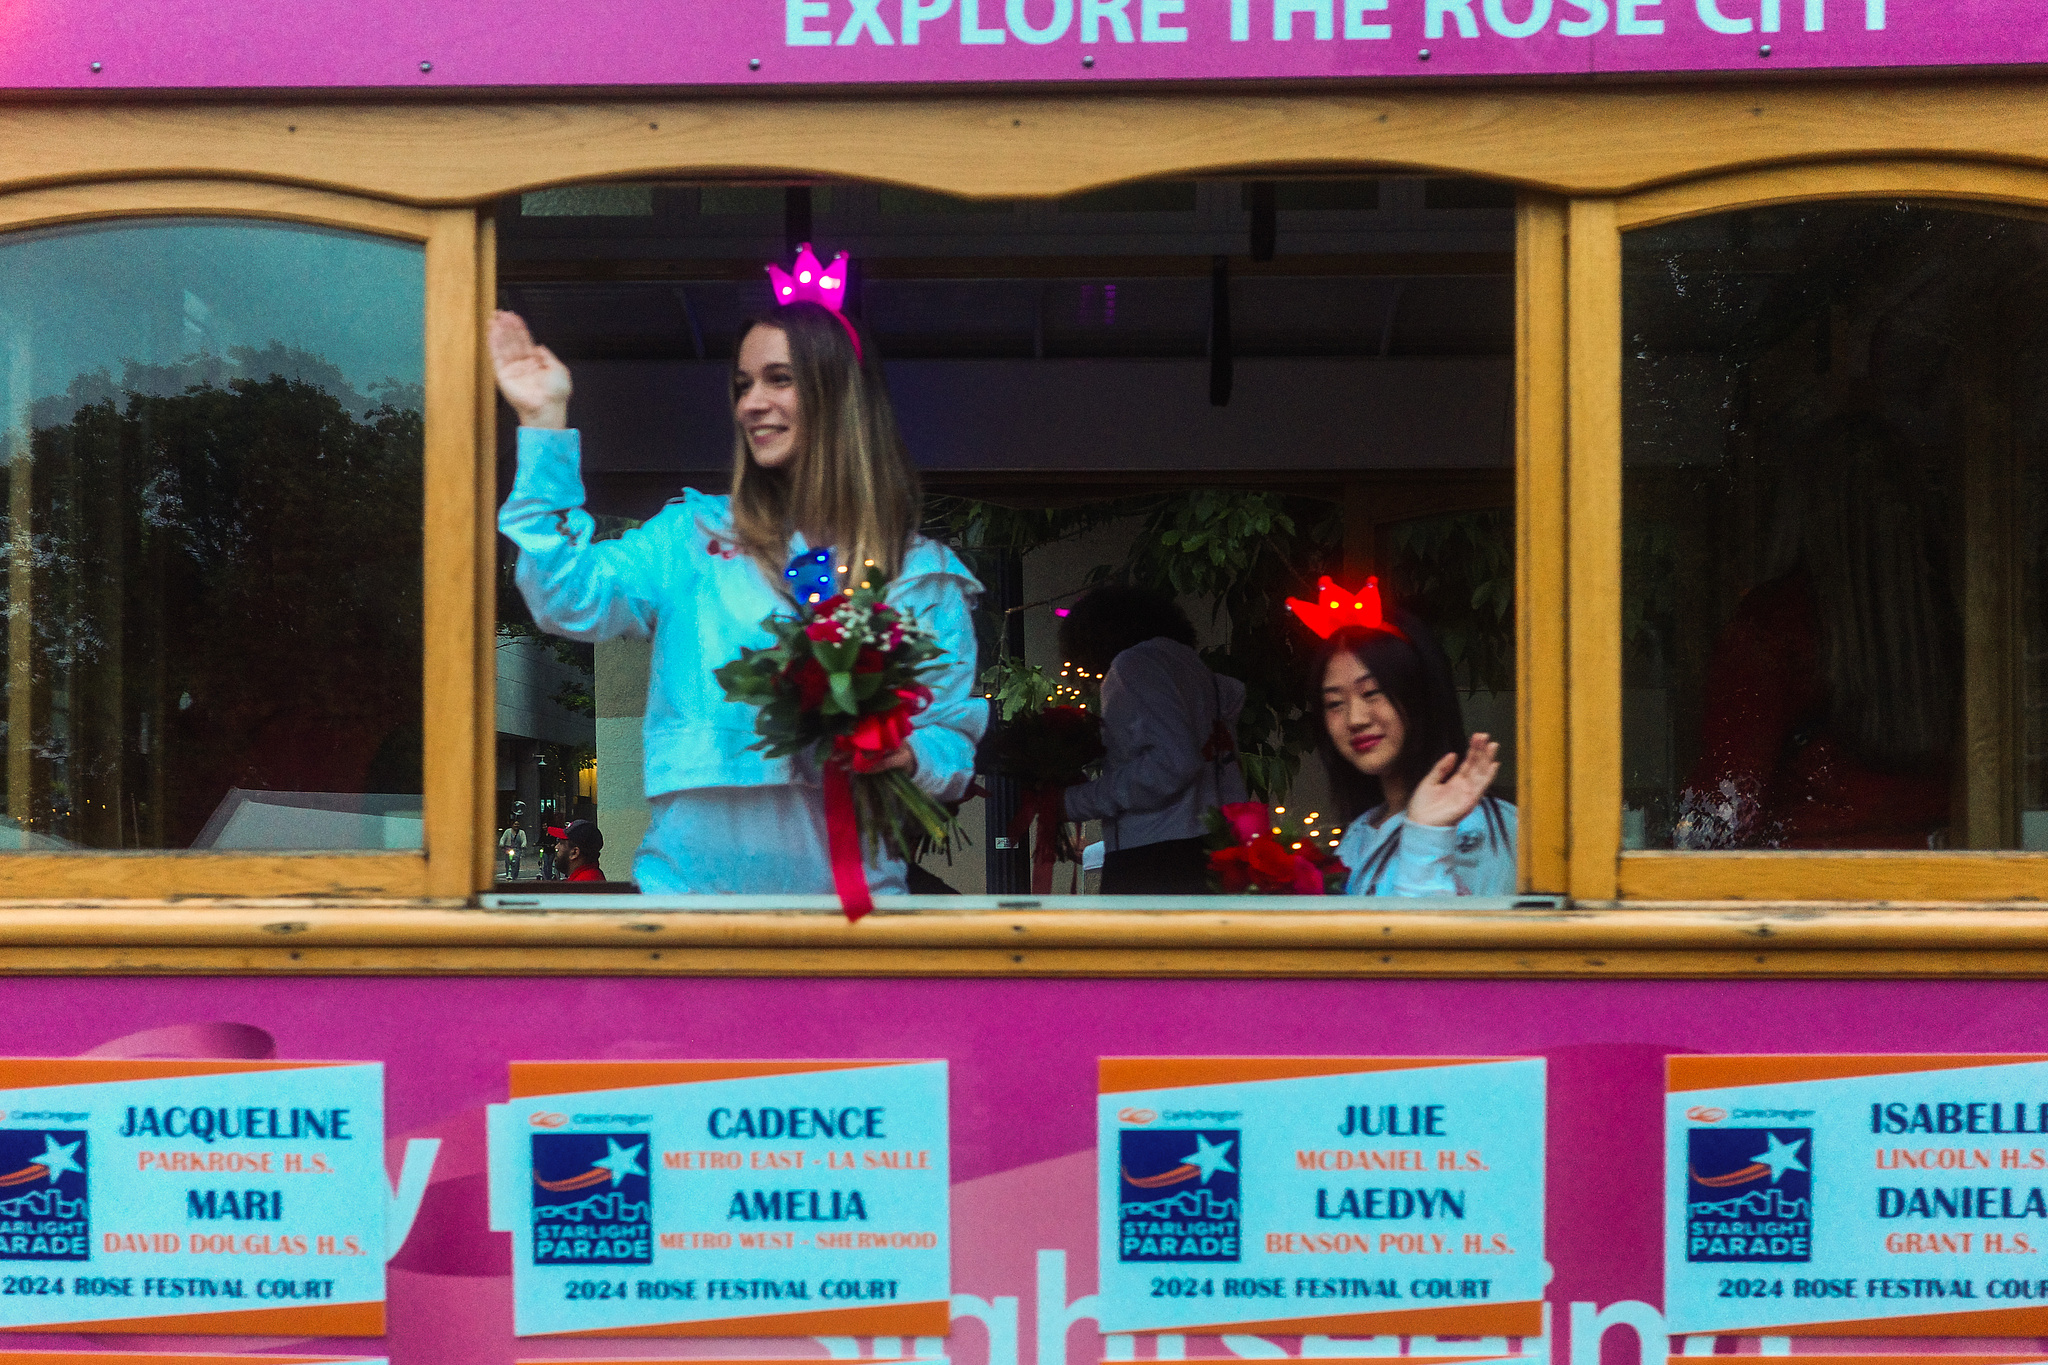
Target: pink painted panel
<point x="1023" y="1084"/>
<point x="212" y="44"/>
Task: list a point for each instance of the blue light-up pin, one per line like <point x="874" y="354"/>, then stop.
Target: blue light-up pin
<point x="810" y="576"/>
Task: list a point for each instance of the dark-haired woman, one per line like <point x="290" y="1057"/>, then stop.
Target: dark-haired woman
<point x="1398" y="752"/>
<point x="816" y="462"/>
<point x="1168" y="723"/>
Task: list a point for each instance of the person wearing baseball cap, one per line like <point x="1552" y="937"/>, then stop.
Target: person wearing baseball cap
<point x="577" y="847"/>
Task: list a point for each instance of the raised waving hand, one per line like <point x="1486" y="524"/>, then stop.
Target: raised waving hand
<point x="1445" y="797"/>
<point x="534" y="381"/>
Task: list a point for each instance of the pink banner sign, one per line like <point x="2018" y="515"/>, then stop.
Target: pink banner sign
<point x="315" y="44"/>
<point x="1023" y="1060"/>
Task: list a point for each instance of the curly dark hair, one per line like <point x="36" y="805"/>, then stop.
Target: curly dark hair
<point x="1110" y="619"/>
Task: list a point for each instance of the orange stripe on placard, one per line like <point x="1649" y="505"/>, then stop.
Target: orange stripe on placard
<point x="156" y="1358"/>
<point x="22" y="1073"/>
<point x="570" y="1078"/>
<point x="1904" y="1358"/>
<point x="1756" y="1170"/>
<point x="318" y="1320"/>
<point x="1713" y="1073"/>
<point x="934" y="1319"/>
<point x="1992" y="1322"/>
<point x="1487" y="1320"/>
<point x="1116" y="1075"/>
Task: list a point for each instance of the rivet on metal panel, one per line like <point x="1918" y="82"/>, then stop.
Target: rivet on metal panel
<point x="95" y="66"/>
<point x="1088" y="61"/>
<point x="1423" y="55"/>
<point x="426" y="67"/>
<point x="753" y="64"/>
<point x="1764" y="51"/>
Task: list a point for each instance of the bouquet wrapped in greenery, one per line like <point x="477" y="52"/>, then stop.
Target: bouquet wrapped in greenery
<point x="1254" y="851"/>
<point x="840" y="686"/>
<point x="1045" y="747"/>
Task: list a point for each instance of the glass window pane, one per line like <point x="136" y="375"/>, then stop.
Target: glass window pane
<point x="1833" y="530"/>
<point x="212" y="442"/>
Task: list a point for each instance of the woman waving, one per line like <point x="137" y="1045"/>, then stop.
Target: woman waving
<point x="817" y="464"/>
<point x="1397" y="751"/>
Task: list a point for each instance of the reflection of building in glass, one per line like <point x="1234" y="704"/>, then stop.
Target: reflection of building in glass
<point x="547" y="741"/>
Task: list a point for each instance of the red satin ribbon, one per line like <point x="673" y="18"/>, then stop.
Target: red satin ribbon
<point x="842" y="841"/>
<point x="1044" y="807"/>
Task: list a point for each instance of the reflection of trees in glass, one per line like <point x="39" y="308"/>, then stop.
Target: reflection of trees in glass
<point x="1457" y="572"/>
<point x="221" y="579"/>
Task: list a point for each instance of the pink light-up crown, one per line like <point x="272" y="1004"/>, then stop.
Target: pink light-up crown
<point x="806" y="281"/>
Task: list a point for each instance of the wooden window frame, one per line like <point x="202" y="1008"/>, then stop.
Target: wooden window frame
<point x="458" y="697"/>
<point x="1591" y="162"/>
<point x="1601" y="870"/>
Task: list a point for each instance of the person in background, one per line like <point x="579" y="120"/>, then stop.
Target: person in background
<point x="1169" y="725"/>
<point x="512" y="839"/>
<point x="1829" y="711"/>
<point x="576" y="852"/>
<point x="1399" y="762"/>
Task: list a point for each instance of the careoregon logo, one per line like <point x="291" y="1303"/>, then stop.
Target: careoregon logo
<point x="1136" y="1115"/>
<point x="547" y="1120"/>
<point x="1705" y="1113"/>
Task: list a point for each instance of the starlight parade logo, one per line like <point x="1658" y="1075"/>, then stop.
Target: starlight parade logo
<point x="593" y="1203"/>
<point x="44" y="1213"/>
<point x="1749" y="1194"/>
<point x="1178" y="1195"/>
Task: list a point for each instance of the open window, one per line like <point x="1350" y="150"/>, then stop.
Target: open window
<point x="1314" y="376"/>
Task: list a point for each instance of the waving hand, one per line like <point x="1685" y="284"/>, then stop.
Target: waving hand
<point x="1445" y="797"/>
<point x="533" y="381"/>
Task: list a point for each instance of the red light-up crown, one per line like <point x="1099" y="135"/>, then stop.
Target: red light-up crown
<point x="1339" y="608"/>
<point x="806" y="281"/>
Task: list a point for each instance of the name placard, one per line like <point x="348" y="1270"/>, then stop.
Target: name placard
<point x="1322" y="1194"/>
<point x="214" y="1198"/>
<point x="1857" y="1195"/>
<point x="725" y="1198"/>
<point x="160" y="1358"/>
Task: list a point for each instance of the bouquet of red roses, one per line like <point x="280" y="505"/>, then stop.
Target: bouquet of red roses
<point x="1045" y="749"/>
<point x="1254" y="851"/>
<point x="841" y="685"/>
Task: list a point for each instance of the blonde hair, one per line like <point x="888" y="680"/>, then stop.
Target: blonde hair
<point x="851" y="478"/>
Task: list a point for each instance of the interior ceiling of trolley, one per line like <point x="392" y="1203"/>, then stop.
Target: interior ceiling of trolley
<point x="1390" y="267"/>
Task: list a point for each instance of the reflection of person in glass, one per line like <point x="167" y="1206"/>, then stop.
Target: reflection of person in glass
<point x="1829" y="705"/>
<point x="1398" y="752"/>
<point x="1168" y="724"/>
<point x="817" y="462"/>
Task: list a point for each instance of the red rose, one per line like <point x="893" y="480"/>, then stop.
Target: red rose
<point x="807" y="676"/>
<point x="1308" y="878"/>
<point x="1271" y="864"/>
<point x="870" y="660"/>
<point x="1232" y="877"/>
<point x="875" y="737"/>
<point x="828" y="631"/>
<point x="1248" y="820"/>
